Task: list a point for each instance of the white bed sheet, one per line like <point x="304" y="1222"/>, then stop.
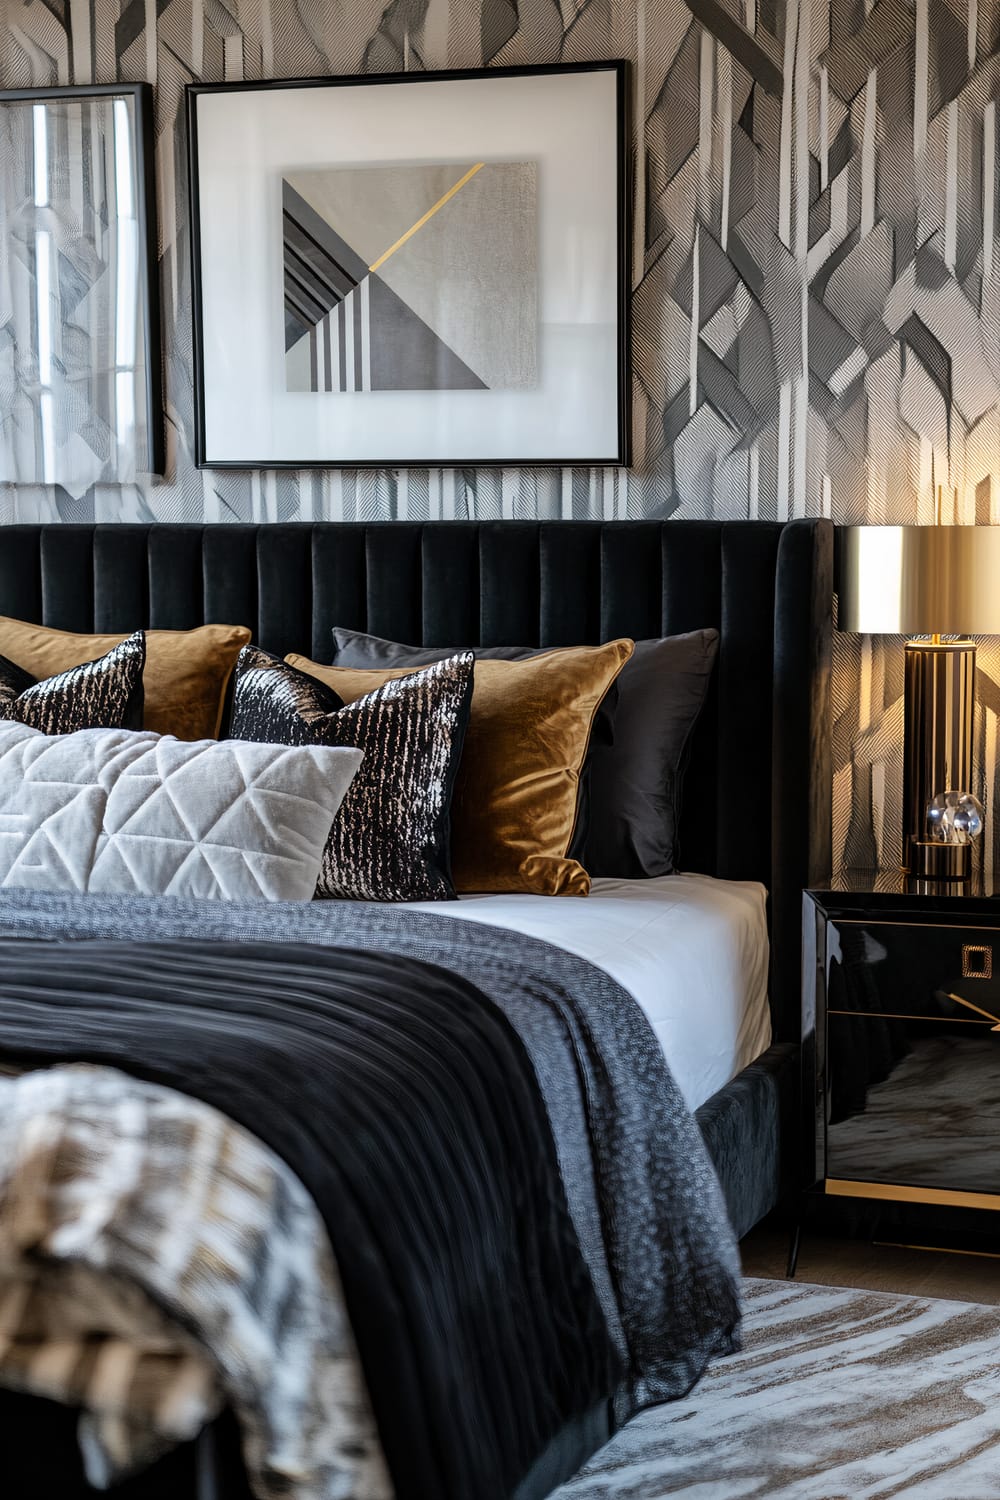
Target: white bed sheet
<point x="692" y="950"/>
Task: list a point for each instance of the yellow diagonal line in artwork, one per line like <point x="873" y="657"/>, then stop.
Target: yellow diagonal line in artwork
<point x="428" y="215"/>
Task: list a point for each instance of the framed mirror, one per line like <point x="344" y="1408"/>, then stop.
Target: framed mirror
<point x="80" y="385"/>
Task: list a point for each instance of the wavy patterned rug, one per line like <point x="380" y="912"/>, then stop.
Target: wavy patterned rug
<point x="837" y="1395"/>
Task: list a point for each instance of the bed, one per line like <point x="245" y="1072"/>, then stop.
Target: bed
<point x="754" y="827"/>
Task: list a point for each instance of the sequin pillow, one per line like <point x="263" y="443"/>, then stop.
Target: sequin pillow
<point x="391" y="838"/>
<point x="101" y="694"/>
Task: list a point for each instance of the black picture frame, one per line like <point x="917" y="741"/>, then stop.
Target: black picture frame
<point x="142" y="98"/>
<point x="621" y="70"/>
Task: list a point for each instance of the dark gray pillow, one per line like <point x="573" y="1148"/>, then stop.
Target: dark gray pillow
<point x="635" y="764"/>
<point x="636" y="784"/>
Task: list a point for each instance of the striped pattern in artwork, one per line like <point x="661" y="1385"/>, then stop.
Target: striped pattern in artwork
<point x="340" y="345"/>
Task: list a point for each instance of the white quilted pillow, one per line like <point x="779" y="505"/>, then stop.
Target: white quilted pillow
<point x="146" y="814"/>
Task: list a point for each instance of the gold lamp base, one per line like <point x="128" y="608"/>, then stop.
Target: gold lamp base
<point x="948" y="862"/>
<point x="939" y="699"/>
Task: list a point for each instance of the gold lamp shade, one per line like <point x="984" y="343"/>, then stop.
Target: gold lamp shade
<point x="919" y="580"/>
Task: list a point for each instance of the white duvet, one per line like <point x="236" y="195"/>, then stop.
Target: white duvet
<point x="692" y="950"/>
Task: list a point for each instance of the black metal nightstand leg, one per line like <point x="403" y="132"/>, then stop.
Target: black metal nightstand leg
<point x="793" y="1250"/>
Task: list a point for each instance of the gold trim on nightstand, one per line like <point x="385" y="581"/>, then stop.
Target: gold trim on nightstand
<point x="980" y="971"/>
<point x="839" y="1187"/>
<point x="906" y="1015"/>
<point x="978" y="1008"/>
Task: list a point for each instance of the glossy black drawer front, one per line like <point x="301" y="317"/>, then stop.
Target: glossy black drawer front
<point x="913" y="1101"/>
<point x="940" y="972"/>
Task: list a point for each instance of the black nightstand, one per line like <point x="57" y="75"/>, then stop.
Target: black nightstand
<point x="901" y="1049"/>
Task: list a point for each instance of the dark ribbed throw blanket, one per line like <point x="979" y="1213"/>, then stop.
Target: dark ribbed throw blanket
<point x="530" y="1238"/>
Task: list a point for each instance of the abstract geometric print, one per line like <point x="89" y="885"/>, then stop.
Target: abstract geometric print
<point x="411" y="277"/>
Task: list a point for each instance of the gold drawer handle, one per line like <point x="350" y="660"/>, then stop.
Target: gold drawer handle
<point x="977" y="961"/>
<point x="969" y="1006"/>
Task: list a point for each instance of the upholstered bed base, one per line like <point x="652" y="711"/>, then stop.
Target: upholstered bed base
<point x="751" y="1128"/>
<point x="757" y="791"/>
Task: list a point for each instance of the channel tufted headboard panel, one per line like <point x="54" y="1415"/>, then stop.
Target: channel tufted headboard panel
<point x="757" y="794"/>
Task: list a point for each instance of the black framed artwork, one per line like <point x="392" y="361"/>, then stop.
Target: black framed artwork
<point x="80" y="380"/>
<point x="412" y="270"/>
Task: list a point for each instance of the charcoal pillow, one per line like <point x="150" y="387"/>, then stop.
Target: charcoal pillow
<point x="391" y="839"/>
<point x="102" y="694"/>
<point x="636" y="784"/>
<point x="635" y="767"/>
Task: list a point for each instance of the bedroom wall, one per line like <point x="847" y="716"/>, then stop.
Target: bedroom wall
<point x="819" y="178"/>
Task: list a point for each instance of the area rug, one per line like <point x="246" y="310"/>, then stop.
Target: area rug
<point x="837" y="1395"/>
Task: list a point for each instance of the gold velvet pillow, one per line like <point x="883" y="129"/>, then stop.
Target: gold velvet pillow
<point x="515" y="799"/>
<point x="185" y="680"/>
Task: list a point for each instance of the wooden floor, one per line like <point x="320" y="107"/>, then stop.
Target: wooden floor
<point x="879" y="1268"/>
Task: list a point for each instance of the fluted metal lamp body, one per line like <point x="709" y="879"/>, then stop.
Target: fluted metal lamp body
<point x="939" y="700"/>
<point x="936" y="583"/>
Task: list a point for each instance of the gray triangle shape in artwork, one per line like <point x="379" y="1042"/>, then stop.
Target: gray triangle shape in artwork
<point x="406" y="353"/>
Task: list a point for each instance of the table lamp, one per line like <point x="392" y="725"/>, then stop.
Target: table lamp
<point x="940" y="584"/>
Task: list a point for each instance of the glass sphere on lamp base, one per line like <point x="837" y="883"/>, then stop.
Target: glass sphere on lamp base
<point x="953" y="821"/>
<point x="954" y="818"/>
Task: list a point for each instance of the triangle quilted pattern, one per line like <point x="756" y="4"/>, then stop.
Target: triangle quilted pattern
<point x="144" y="814"/>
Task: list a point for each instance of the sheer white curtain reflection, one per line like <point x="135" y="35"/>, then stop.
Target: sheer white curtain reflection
<point x="126" y="277"/>
<point x="72" y="367"/>
<point x="43" y="295"/>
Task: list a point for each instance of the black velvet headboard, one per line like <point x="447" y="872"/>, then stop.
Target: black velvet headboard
<point x="757" y="794"/>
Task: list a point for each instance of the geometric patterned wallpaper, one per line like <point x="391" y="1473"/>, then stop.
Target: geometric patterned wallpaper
<point x="816" y="275"/>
